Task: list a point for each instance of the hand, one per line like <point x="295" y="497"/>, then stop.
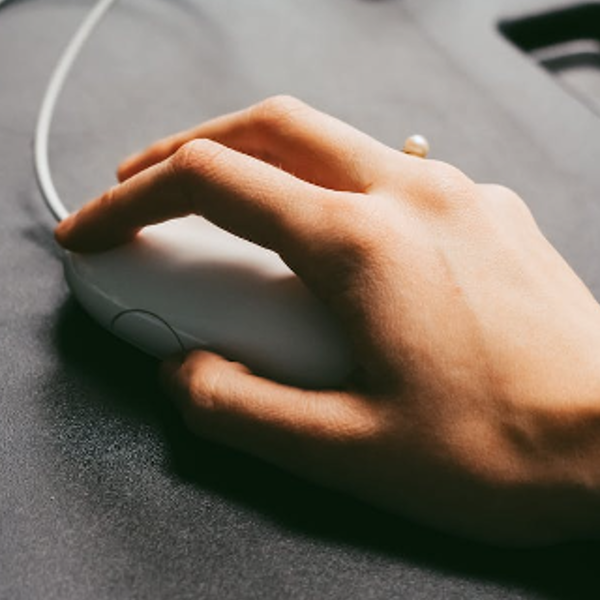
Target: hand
<point x="476" y="404"/>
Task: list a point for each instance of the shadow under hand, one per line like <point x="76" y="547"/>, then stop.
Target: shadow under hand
<point x="562" y="572"/>
<point x="125" y="381"/>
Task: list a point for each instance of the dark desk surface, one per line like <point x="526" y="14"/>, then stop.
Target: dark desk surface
<point x="103" y="494"/>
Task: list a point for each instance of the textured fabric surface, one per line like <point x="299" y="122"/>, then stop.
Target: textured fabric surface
<point x="103" y="494"/>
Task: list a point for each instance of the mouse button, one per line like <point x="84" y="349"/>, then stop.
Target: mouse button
<point x="148" y="332"/>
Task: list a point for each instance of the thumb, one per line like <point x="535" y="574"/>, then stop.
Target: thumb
<point x="312" y="433"/>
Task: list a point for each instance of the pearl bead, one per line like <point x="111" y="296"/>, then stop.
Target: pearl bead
<point x="416" y="145"/>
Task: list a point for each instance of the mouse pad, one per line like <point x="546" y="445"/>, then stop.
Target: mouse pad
<point x="104" y="494"/>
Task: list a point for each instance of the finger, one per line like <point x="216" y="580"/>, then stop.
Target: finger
<point x="289" y="134"/>
<point x="241" y="194"/>
<point x="314" y="434"/>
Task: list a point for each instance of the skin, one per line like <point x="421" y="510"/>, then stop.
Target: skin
<point x="475" y="406"/>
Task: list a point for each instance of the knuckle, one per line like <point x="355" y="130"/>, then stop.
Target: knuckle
<point x="506" y="199"/>
<point x="500" y="192"/>
<point x="195" y="162"/>
<point x="442" y="187"/>
<point x="508" y="196"/>
<point x="446" y="178"/>
<point x="197" y="158"/>
<point x="359" y="426"/>
<point x="191" y="389"/>
<point x="277" y="112"/>
<point x="280" y="104"/>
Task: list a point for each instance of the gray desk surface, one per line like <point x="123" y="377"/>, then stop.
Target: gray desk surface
<point x="103" y="494"/>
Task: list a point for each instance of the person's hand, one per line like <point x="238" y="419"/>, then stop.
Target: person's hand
<point x="475" y="407"/>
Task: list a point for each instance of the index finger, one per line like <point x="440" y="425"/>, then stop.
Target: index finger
<point x="239" y="193"/>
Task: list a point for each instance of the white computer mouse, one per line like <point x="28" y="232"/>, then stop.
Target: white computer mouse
<point x="187" y="284"/>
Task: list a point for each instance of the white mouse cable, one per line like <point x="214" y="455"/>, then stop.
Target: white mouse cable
<point x="55" y="85"/>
